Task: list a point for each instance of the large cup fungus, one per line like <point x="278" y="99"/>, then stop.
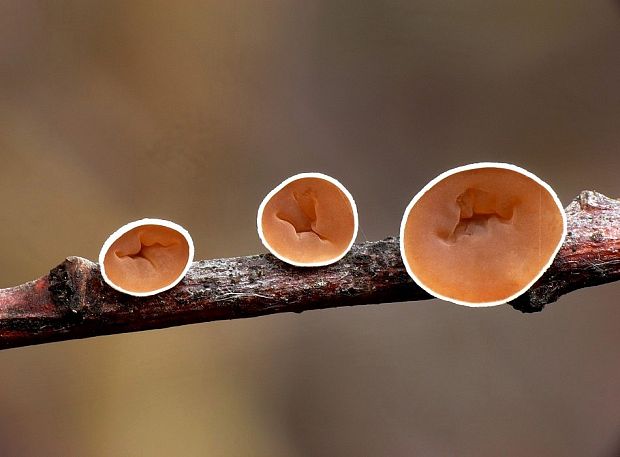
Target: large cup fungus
<point x="309" y="220"/>
<point x="146" y="257"/>
<point x="481" y="234"/>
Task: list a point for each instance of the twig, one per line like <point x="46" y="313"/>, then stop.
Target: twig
<point x="73" y="301"/>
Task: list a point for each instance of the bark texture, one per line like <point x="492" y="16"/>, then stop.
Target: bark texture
<point x="72" y="301"/>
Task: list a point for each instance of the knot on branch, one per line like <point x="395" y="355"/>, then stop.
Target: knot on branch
<point x="67" y="285"/>
<point x="590" y="199"/>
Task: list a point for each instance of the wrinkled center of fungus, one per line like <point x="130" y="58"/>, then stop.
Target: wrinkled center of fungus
<point x="146" y="250"/>
<point x="477" y="208"/>
<point x="304" y="220"/>
<point x="146" y="258"/>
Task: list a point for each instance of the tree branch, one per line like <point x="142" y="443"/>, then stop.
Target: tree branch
<point x="73" y="301"/>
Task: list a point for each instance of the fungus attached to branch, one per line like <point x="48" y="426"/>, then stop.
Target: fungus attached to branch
<point x="309" y="220"/>
<point x="72" y="301"/>
<point x="481" y="234"/>
<point x="146" y="257"/>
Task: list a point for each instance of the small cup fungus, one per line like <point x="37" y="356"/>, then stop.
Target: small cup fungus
<point x="146" y="257"/>
<point x="309" y="220"/>
<point x="481" y="234"/>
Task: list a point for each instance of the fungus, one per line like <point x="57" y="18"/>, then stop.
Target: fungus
<point x="146" y="257"/>
<point x="309" y="220"/>
<point x="481" y="234"/>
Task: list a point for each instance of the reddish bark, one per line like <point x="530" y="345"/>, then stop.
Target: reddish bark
<point x="73" y="301"/>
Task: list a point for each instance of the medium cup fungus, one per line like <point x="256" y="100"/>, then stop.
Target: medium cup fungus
<point x="146" y="257"/>
<point x="481" y="234"/>
<point x="309" y="220"/>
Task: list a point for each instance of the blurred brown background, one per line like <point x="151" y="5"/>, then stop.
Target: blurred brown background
<point x="193" y="110"/>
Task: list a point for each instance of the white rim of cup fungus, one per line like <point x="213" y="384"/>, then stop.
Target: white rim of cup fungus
<point x="474" y="166"/>
<point x="135" y="224"/>
<point x="281" y="186"/>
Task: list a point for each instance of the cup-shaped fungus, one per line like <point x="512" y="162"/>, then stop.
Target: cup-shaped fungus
<point x="309" y="220"/>
<point x="481" y="234"/>
<point x="146" y="257"/>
